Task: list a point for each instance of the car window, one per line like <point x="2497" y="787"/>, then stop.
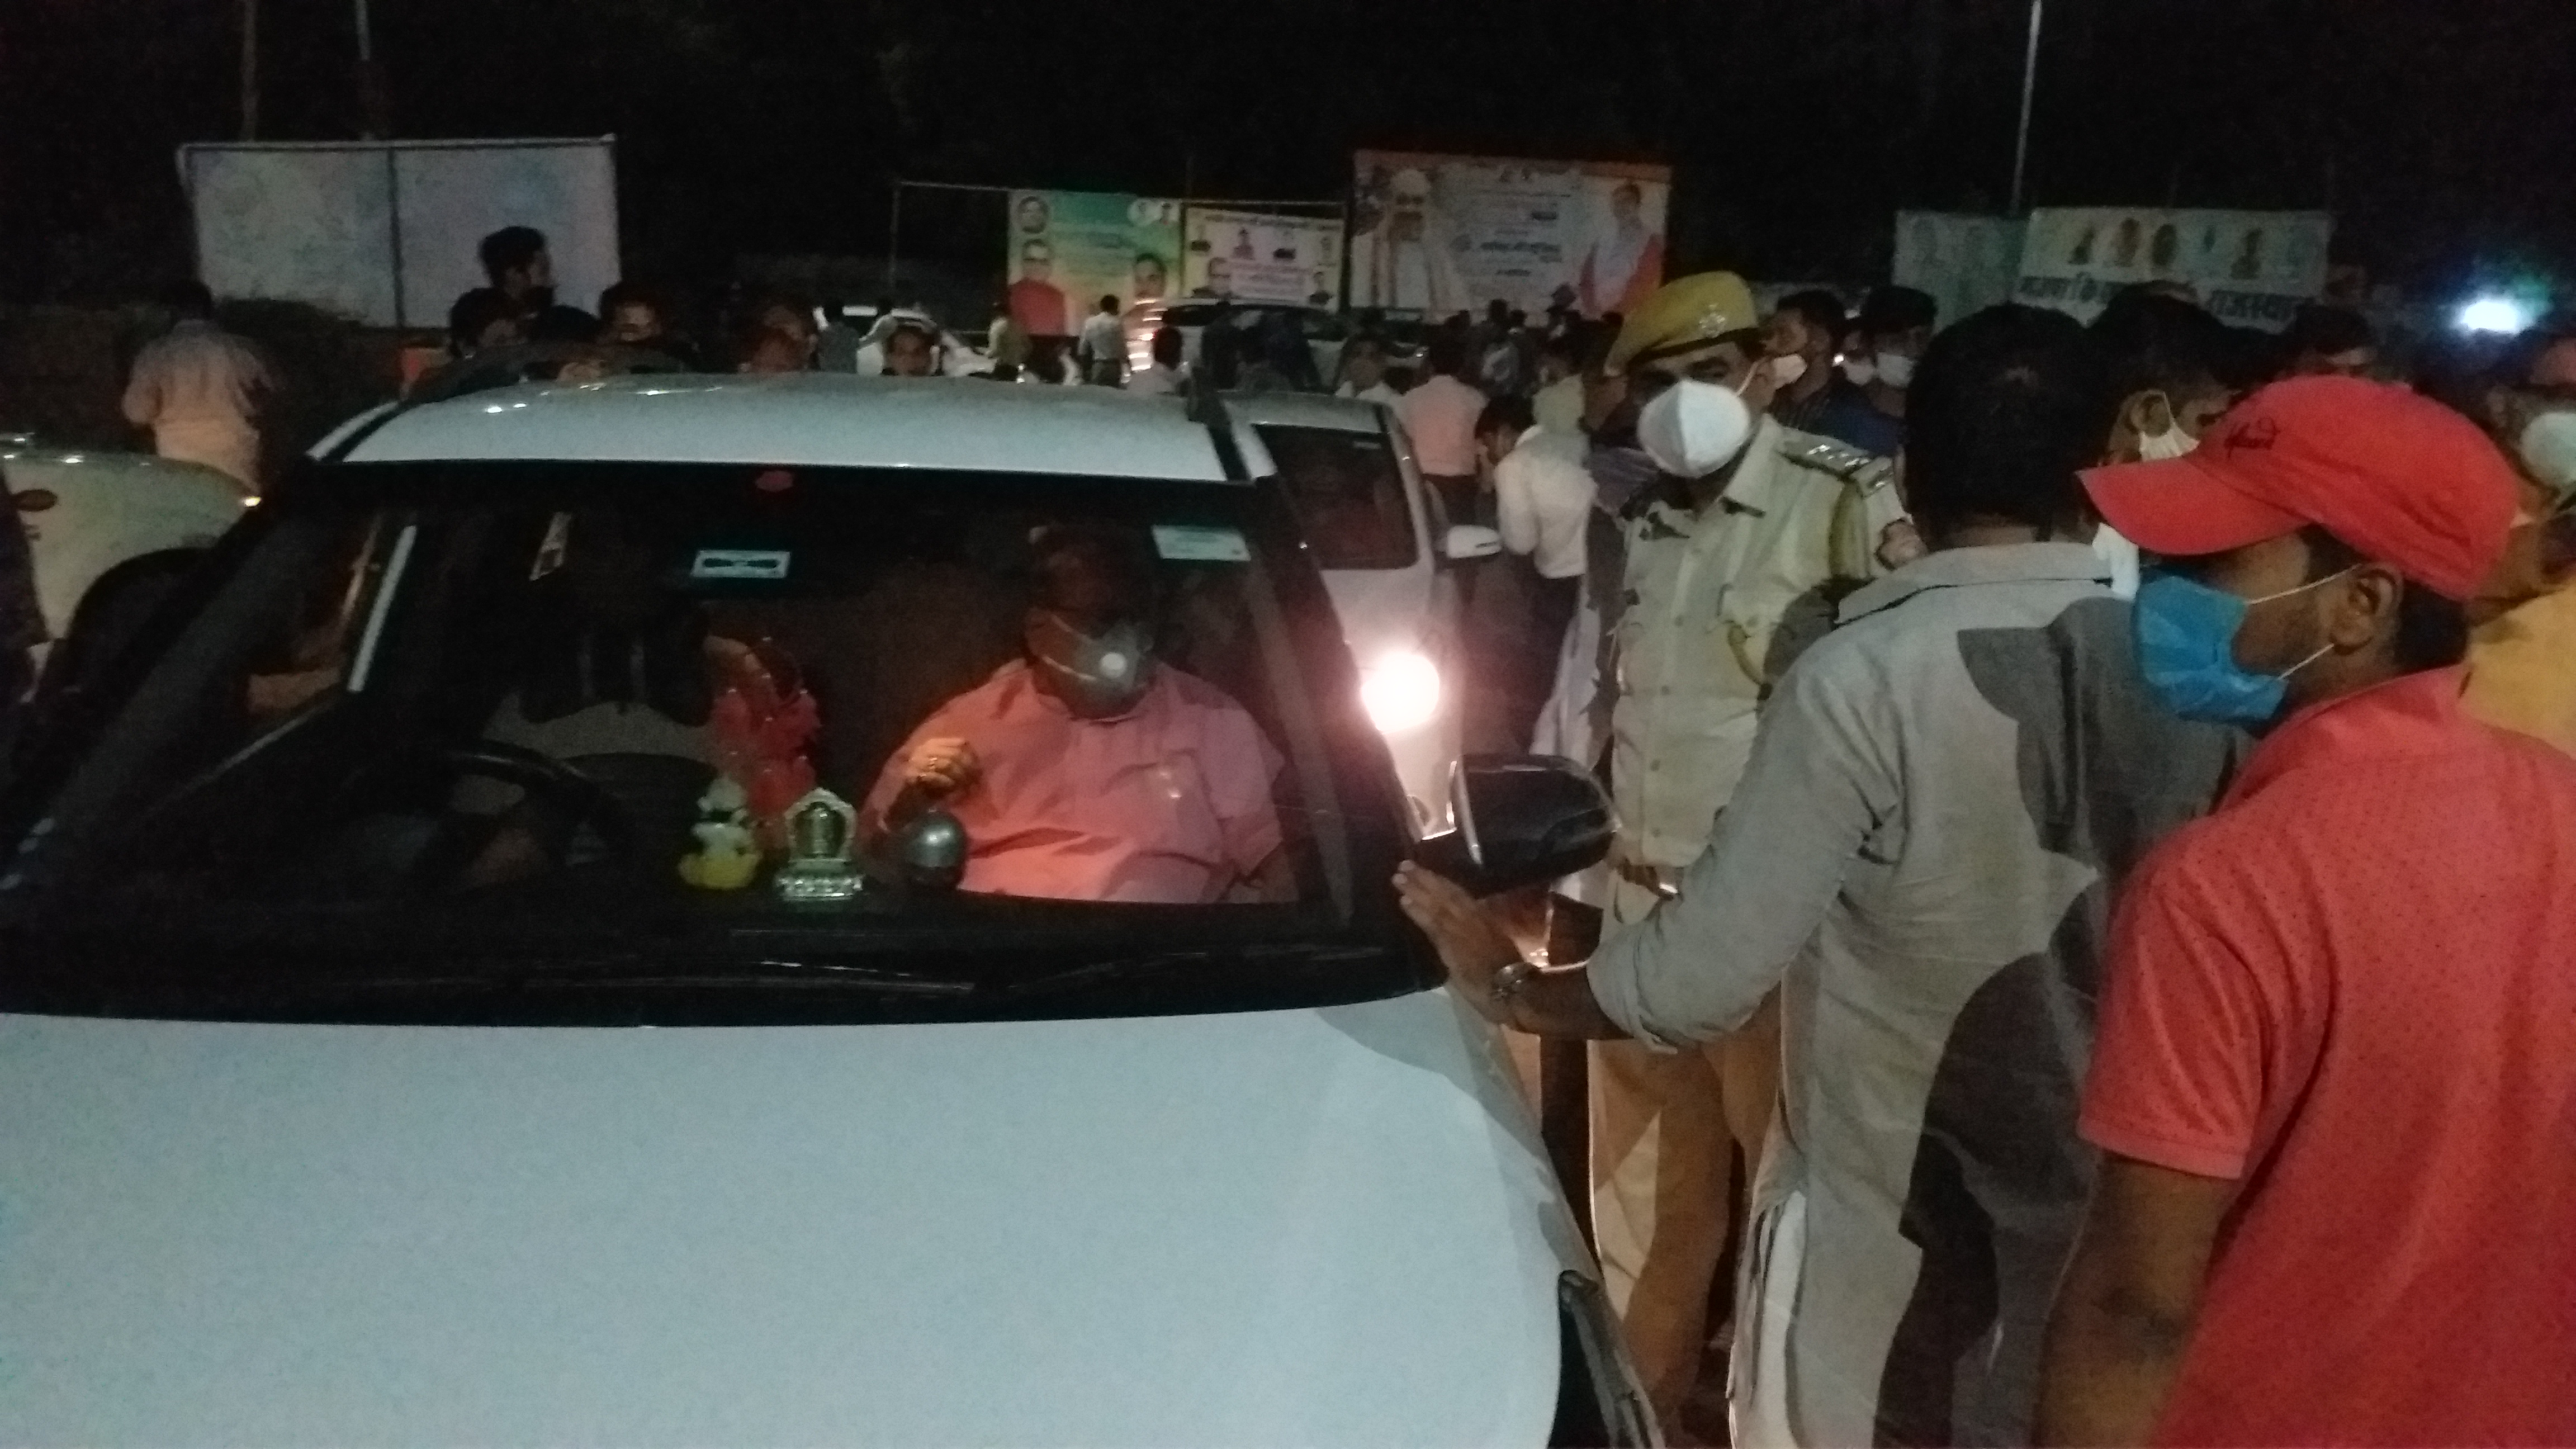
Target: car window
<point x="1348" y="492"/>
<point x="533" y="710"/>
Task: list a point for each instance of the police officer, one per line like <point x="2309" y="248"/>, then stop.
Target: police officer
<point x="1751" y="528"/>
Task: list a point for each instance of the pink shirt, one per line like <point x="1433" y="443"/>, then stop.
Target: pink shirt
<point x="1440" y="416"/>
<point x="1168" y="803"/>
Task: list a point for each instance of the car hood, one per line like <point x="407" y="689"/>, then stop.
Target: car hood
<point x="1306" y="1227"/>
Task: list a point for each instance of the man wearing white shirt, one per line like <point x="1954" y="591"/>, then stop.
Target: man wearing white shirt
<point x="1543" y="503"/>
<point x="1162" y="376"/>
<point x="199" y="389"/>
<point x="1364" y="372"/>
<point x="1103" y="346"/>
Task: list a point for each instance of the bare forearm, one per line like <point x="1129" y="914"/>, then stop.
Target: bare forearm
<point x="1560" y="1004"/>
<point x="2109" y="1369"/>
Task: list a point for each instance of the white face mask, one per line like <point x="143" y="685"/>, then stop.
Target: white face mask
<point x="2170" y="444"/>
<point x="1896" y="369"/>
<point x="2548" y="449"/>
<point x="1862" y="370"/>
<point x="1786" y="371"/>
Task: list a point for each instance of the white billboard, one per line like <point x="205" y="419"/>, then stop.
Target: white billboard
<point x="1965" y="263"/>
<point x="1259" y="256"/>
<point x="1443" y="234"/>
<point x="2249" y="268"/>
<point x="385" y="231"/>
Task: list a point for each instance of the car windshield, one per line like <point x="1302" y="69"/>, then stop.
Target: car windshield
<point x="1348" y="491"/>
<point x="957" y="736"/>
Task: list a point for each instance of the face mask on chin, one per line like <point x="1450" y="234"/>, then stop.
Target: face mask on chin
<point x="1862" y="370"/>
<point x="1788" y="371"/>
<point x="2165" y="446"/>
<point x="2186" y="636"/>
<point x="2548" y="450"/>
<point x="1896" y="369"/>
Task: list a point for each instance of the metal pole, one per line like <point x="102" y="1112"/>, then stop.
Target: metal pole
<point x="894" y="233"/>
<point x="372" y="109"/>
<point x="2029" y="89"/>
<point x="250" y="70"/>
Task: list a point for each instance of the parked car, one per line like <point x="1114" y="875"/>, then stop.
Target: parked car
<point x="110" y="534"/>
<point x="317" y="1134"/>
<point x="1349" y="473"/>
<point x="1325" y="332"/>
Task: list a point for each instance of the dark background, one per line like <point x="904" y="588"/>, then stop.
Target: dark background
<point x="2440" y="132"/>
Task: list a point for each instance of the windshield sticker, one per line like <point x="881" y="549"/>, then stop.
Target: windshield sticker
<point x="767" y="564"/>
<point x="1189" y="543"/>
<point x="550" y="554"/>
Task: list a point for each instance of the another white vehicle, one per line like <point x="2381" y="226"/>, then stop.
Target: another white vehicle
<point x="110" y="533"/>
<point x="1326" y="333"/>
<point x="1349" y="473"/>
<point x="317" y="1134"/>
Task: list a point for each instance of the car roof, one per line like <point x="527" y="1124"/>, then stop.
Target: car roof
<point x="1305" y="410"/>
<point x="808" y="420"/>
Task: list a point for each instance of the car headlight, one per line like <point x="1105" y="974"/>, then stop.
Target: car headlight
<point x="1401" y="691"/>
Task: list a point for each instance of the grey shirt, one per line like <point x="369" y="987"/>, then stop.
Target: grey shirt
<point x="1920" y="852"/>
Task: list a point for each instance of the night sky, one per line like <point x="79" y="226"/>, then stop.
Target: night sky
<point x="2441" y="132"/>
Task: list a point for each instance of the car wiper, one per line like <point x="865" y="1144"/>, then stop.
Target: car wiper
<point x="765" y="971"/>
<point x="1236" y="961"/>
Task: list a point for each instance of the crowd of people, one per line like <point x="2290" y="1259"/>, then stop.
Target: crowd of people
<point x="2088" y="928"/>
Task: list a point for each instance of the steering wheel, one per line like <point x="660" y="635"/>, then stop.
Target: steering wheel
<point x="577" y="796"/>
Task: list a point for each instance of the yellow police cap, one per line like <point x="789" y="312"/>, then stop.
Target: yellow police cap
<point x="1682" y="312"/>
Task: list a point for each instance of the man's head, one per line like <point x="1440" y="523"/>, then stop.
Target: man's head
<point x="2323" y="540"/>
<point x="1808" y="325"/>
<point x="1089" y="627"/>
<point x="1408" y="203"/>
<point x="188" y="300"/>
<point x="482" y="319"/>
<point x="1559" y="357"/>
<point x="1627" y="203"/>
<point x="1167" y="347"/>
<point x="911" y="350"/>
<point x="631" y="316"/>
<point x="2007" y="406"/>
<point x="791" y="316"/>
<point x="2170" y="366"/>
<point x="1108" y="305"/>
<point x="1895" y="327"/>
<point x="1148" y="277"/>
<point x="1364" y="362"/>
<point x="1033" y="214"/>
<point x="1500" y="425"/>
<point x="1445" y="355"/>
<point x="2331" y="342"/>
<point x="1671" y="334"/>
<point x="1220" y="277"/>
<point x="1037" y="261"/>
<point x="1498" y="314"/>
<point x="768" y="350"/>
<point x="516" y="260"/>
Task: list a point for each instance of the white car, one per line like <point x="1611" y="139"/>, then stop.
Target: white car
<point x="110" y="533"/>
<point x="318" y="1132"/>
<point x="1350" y="474"/>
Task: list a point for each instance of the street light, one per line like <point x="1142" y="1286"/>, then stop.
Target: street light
<point x="2029" y="90"/>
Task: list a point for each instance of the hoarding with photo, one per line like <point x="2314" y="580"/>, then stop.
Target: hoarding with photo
<point x="1068" y="249"/>
<point x="1435" y="235"/>
<point x="1255" y="256"/>
<point x="2249" y="268"/>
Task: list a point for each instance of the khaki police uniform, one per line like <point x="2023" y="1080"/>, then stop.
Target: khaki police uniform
<point x="1718" y="602"/>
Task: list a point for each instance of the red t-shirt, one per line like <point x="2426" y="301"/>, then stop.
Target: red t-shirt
<point x="2353" y="990"/>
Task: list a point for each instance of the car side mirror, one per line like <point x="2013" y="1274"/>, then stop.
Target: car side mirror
<point x="1523" y="820"/>
<point x="1467" y="542"/>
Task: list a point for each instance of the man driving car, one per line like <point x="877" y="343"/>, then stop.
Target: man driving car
<point x="1087" y="770"/>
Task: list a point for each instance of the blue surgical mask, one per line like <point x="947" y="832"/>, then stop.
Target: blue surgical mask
<point x="2186" y="634"/>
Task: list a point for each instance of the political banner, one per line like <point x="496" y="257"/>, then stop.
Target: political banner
<point x="1435" y="235"/>
<point x="1964" y="263"/>
<point x="1069" y="249"/>
<point x="2249" y="268"/>
<point x="1255" y="256"/>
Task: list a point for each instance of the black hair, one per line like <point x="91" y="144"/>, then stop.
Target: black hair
<point x="632" y="294"/>
<point x="2328" y="331"/>
<point x="1821" y="309"/>
<point x="1108" y="302"/>
<point x="562" y="324"/>
<point x="2432" y="631"/>
<point x="1113" y="556"/>
<point x="1168" y="346"/>
<point x="1506" y="412"/>
<point x="2156" y="343"/>
<point x="2008" y="405"/>
<point x="475" y="312"/>
<point x="1445" y="353"/>
<point x="510" y="249"/>
<point x="188" y="297"/>
<point x="1891" y="310"/>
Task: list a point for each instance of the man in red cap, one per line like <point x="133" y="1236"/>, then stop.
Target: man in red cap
<point x="2335" y="1083"/>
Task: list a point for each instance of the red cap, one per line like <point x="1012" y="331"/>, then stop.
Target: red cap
<point x="2401" y="478"/>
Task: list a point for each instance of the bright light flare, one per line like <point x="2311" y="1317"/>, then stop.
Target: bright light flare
<point x="1401" y="692"/>
<point x="2501" y="315"/>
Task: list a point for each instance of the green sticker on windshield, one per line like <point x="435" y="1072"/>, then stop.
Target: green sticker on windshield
<point x="766" y="564"/>
<point x="1190" y="543"/>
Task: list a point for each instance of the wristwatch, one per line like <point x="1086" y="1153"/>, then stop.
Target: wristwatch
<point x="1508" y="985"/>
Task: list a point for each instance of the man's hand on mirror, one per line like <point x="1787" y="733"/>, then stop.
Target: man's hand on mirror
<point x="1472" y="943"/>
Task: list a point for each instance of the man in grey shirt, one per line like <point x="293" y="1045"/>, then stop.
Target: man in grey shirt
<point x="1942" y="796"/>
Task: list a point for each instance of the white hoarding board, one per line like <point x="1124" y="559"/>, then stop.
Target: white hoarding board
<point x="1965" y="263"/>
<point x="1443" y="234"/>
<point x="386" y="231"/>
<point x="2250" y="268"/>
<point x="1257" y="256"/>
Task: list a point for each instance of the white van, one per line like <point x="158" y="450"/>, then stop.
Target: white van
<point x="313" y="1131"/>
